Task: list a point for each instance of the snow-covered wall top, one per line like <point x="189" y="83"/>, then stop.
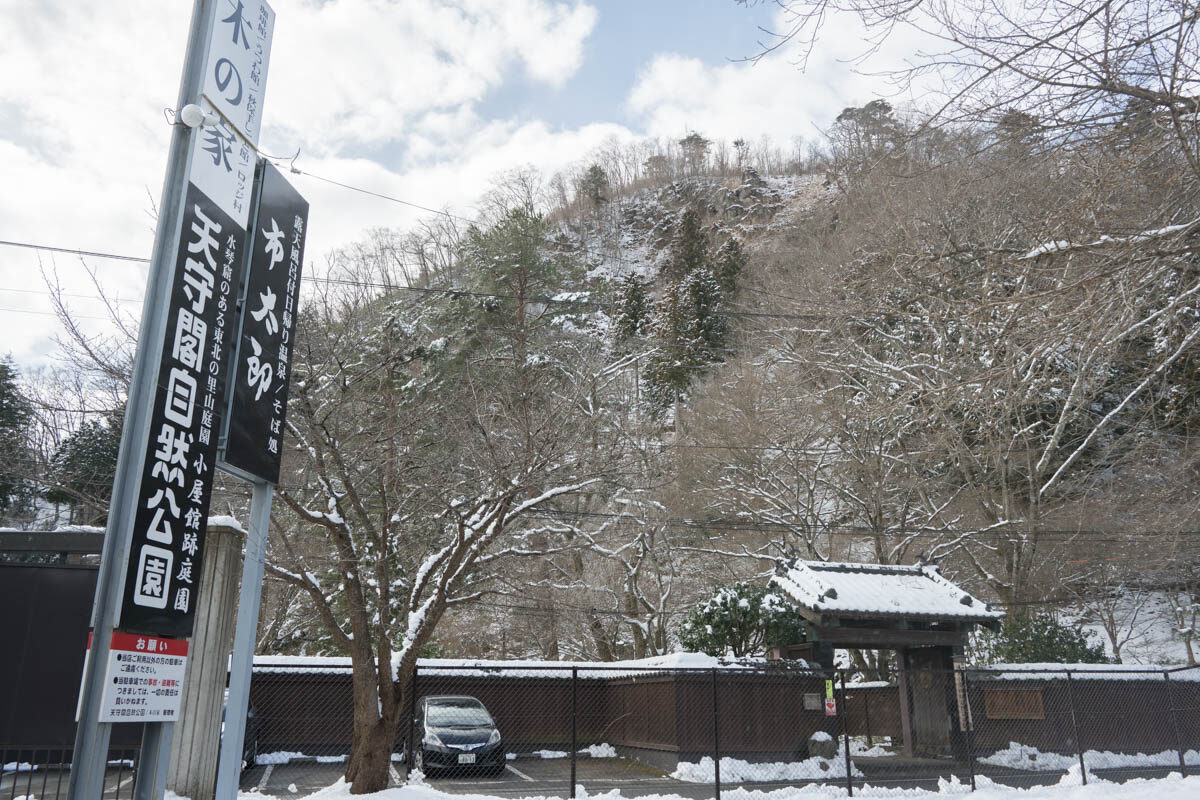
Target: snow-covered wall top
<point x="1082" y="672"/>
<point x="518" y="669"/>
<point x="880" y="589"/>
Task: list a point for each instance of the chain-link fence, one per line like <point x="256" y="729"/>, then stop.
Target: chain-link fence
<point x="537" y="729"/>
<point x="518" y="730"/>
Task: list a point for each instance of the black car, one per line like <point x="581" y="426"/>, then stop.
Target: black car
<point x="456" y="733"/>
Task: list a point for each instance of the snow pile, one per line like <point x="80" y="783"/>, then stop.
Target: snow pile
<point x="859" y="749"/>
<point x="549" y="754"/>
<point x="21" y="766"/>
<point x="278" y="757"/>
<point x="735" y="770"/>
<point x="289" y="756"/>
<point x="592" y="750"/>
<point x="1023" y="756"/>
<point x="600" y="750"/>
<point x="1027" y="757"/>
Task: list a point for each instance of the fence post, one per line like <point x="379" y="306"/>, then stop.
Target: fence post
<point x="1175" y="721"/>
<point x="866" y="707"/>
<point x="412" y="723"/>
<point x="842" y="717"/>
<point x="969" y="724"/>
<point x="1075" y="728"/>
<point x="716" y="737"/>
<point x="574" y="725"/>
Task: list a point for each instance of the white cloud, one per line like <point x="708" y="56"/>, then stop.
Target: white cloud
<point x="361" y="72"/>
<point x="83" y="139"/>
<point x="771" y="97"/>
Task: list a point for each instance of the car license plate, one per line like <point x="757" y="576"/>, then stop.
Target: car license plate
<point x="466" y="758"/>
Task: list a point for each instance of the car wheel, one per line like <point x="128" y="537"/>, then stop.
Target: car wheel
<point x="419" y="762"/>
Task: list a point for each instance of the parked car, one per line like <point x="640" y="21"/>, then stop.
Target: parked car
<point x="456" y="733"/>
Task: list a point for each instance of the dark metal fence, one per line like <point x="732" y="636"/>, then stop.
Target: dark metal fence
<point x="43" y="772"/>
<point x="697" y="732"/>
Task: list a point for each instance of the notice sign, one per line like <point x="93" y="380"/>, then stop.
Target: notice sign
<point x="143" y="680"/>
<point x="830" y="703"/>
<point x="258" y="409"/>
<point x="166" y="549"/>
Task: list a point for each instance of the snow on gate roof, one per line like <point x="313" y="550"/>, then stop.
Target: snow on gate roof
<point x="879" y="590"/>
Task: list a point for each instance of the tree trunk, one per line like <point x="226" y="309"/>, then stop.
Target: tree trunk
<point x="369" y="765"/>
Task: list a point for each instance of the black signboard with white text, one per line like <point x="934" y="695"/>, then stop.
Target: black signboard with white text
<point x="258" y="408"/>
<point x="166" y="550"/>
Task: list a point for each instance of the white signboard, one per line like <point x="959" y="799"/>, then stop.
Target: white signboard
<point x="222" y="166"/>
<point x="143" y="681"/>
<point x="235" y="78"/>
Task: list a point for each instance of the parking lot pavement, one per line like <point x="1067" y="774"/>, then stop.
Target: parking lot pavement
<point x="522" y="777"/>
<point x="552" y="777"/>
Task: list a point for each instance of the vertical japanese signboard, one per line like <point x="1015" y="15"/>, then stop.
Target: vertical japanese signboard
<point x="236" y="76"/>
<point x="176" y="484"/>
<point x="259" y="406"/>
<point x="171" y="514"/>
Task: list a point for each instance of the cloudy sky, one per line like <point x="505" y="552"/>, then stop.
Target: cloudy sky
<point x="424" y="100"/>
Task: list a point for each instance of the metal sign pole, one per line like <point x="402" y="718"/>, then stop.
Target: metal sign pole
<point x="229" y="764"/>
<point x="92" y="736"/>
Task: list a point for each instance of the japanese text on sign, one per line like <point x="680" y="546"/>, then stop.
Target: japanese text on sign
<point x="235" y="79"/>
<point x="177" y="477"/>
<point x="259" y="405"/>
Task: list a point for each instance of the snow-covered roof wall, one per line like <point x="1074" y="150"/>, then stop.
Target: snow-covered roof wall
<point x="1082" y="672"/>
<point x="879" y="590"/>
<point x="518" y="669"/>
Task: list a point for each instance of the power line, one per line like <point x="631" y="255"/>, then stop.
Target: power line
<point x="444" y="291"/>
<point x="71" y="251"/>
<point x="51" y="314"/>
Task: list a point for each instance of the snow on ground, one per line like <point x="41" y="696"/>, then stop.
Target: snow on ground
<point x="290" y="756"/>
<point x="859" y="748"/>
<point x="592" y="750"/>
<point x="735" y="770"/>
<point x="1173" y="787"/>
<point x="1026" y="757"/>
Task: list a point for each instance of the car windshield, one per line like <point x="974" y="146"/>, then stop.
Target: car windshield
<point x="456" y="713"/>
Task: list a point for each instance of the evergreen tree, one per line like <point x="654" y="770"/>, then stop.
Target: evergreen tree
<point x="692" y="333"/>
<point x="689" y="250"/>
<point x="633" y="307"/>
<point x="695" y="152"/>
<point x="16" y="413"/>
<point x="742" y="620"/>
<point x="729" y="263"/>
<point x="84" y="467"/>
<point x="594" y="185"/>
<point x="1038" y="639"/>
